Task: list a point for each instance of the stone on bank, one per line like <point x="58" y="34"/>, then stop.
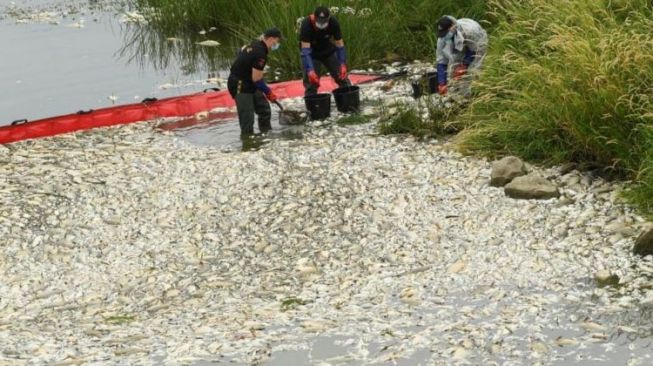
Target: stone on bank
<point x="644" y="243"/>
<point x="505" y="170"/>
<point x="531" y="186"/>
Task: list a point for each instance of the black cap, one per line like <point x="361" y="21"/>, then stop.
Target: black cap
<point x="322" y="14"/>
<point x="444" y="24"/>
<point x="272" y="32"/>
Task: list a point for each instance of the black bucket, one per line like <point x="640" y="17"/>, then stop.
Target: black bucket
<point x="347" y="98"/>
<point x="318" y="106"/>
<point x="427" y="82"/>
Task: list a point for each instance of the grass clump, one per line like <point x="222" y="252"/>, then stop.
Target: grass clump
<point x="292" y="303"/>
<point x="406" y="121"/>
<point x="353" y="119"/>
<point x="119" y="319"/>
<point x="568" y="81"/>
<point x="434" y="120"/>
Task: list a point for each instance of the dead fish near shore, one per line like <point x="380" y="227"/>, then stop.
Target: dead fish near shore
<point x="208" y="43"/>
<point x="143" y="248"/>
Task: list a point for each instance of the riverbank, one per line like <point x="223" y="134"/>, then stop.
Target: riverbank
<point x="556" y="88"/>
<point x="343" y="247"/>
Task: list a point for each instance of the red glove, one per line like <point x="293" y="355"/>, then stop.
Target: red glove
<point x="443" y="89"/>
<point x="459" y="71"/>
<point x="313" y="78"/>
<point x="343" y="72"/>
<point x="271" y="96"/>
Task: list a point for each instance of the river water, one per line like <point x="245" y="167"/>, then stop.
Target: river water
<point x="65" y="56"/>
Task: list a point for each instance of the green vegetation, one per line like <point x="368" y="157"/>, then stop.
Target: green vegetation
<point x="569" y="81"/>
<point x="119" y="319"/>
<point x="407" y="120"/>
<point x="353" y="119"/>
<point x="292" y="303"/>
<point x="374" y="30"/>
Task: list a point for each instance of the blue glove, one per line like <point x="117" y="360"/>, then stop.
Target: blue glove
<point x="342" y="57"/>
<point x="307" y="60"/>
<point x="442" y="74"/>
<point x="262" y="86"/>
<point x="469" y="57"/>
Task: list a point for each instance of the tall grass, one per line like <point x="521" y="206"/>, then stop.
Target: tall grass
<point x="568" y="81"/>
<point x="374" y="30"/>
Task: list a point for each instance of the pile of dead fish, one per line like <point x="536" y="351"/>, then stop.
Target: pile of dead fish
<point x="128" y="245"/>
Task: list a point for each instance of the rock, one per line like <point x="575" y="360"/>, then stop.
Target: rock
<point x="505" y="170"/>
<point x="644" y="243"/>
<point x="531" y="187"/>
<point x="4" y="150"/>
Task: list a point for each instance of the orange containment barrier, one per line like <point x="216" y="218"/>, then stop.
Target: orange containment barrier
<point x="150" y="109"/>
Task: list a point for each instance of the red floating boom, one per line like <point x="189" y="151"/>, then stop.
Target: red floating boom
<point x="151" y="109"/>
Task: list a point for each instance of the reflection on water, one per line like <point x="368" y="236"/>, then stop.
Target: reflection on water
<point x="65" y="57"/>
<point x="221" y="129"/>
<point x="149" y="47"/>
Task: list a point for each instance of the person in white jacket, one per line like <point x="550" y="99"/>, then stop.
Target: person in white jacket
<point x="462" y="44"/>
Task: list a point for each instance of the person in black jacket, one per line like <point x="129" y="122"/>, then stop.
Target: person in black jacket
<point x="247" y="86"/>
<point x="320" y="39"/>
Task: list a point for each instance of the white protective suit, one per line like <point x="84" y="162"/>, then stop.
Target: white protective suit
<point x="469" y="37"/>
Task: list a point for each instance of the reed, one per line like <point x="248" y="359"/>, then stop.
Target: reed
<point x="375" y="31"/>
<point x="568" y="81"/>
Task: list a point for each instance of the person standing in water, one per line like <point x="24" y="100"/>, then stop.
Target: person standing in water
<point x="247" y="85"/>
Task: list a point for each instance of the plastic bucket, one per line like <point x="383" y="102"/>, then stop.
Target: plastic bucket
<point x="347" y="98"/>
<point x="428" y="82"/>
<point x="318" y="106"/>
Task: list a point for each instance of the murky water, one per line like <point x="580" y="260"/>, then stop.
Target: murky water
<point x="55" y="69"/>
<point x="66" y="57"/>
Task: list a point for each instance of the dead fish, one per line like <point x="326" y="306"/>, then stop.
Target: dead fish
<point x="208" y="43"/>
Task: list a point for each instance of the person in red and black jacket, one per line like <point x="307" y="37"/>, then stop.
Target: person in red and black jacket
<point x="320" y="39"/>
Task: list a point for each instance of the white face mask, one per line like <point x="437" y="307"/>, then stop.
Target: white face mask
<point x="276" y="46"/>
<point x="322" y="25"/>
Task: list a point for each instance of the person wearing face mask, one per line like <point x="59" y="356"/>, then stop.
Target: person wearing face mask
<point x="247" y="85"/>
<point x="320" y="39"/>
<point x="462" y="43"/>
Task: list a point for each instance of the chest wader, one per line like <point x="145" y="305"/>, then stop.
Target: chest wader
<point x="250" y="102"/>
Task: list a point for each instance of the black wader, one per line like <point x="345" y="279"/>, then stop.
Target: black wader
<point x="249" y="104"/>
<point x="333" y="66"/>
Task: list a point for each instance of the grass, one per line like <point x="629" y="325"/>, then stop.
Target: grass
<point x="405" y="121"/>
<point x="374" y="30"/>
<point x="568" y="81"/>
<point x="353" y="119"/>
<point x="408" y="120"/>
<point x="119" y="319"/>
<point x="292" y="303"/>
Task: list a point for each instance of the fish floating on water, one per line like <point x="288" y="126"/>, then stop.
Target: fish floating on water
<point x="208" y="43"/>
